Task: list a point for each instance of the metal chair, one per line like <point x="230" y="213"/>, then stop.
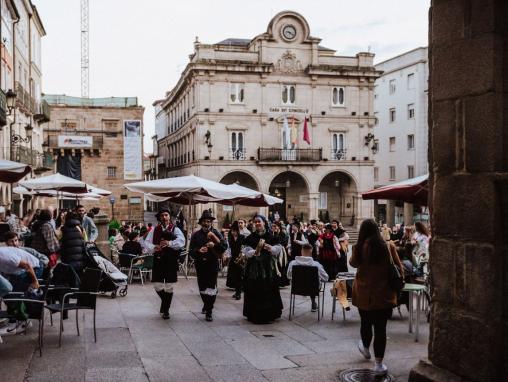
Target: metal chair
<point x="125" y="262"/>
<point x="145" y="267"/>
<point x="305" y="282"/>
<point x="86" y="298"/>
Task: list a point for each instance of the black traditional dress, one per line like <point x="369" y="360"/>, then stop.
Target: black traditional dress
<point x="235" y="271"/>
<point x="207" y="265"/>
<point x="262" y="301"/>
<point x="283" y="259"/>
<point x="312" y="237"/>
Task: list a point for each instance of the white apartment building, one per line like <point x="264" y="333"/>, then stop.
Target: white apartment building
<point x="21" y="136"/>
<point x="401" y="130"/>
<point x="239" y="110"/>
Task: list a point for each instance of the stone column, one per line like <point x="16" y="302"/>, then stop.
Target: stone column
<point x="101" y="221"/>
<point x="313" y="205"/>
<point x="408" y="214"/>
<point x="468" y="137"/>
<point x="390" y="213"/>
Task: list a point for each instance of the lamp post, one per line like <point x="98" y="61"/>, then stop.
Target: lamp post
<point x="112" y="200"/>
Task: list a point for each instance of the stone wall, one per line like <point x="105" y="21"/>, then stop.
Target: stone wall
<point x="469" y="192"/>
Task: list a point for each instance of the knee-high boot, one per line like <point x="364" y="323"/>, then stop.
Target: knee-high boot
<point x="167" y="301"/>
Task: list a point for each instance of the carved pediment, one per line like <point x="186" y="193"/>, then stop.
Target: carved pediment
<point x="288" y="63"/>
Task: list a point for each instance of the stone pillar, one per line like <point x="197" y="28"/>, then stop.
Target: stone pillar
<point x="390" y="213"/>
<point x="408" y="214"/>
<point x="468" y="137"/>
<point x="313" y="205"/>
<point x="101" y="221"/>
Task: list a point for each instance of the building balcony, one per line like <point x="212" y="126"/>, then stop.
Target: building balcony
<point x="237" y="154"/>
<point x="40" y="162"/>
<point x="338" y="154"/>
<point x="23" y="99"/>
<point x="290" y="155"/>
<point x="41" y="112"/>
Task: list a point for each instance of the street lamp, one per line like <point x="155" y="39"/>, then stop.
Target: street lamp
<point x="11" y="100"/>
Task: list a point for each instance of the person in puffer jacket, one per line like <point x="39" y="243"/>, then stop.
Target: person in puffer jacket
<point x="72" y="249"/>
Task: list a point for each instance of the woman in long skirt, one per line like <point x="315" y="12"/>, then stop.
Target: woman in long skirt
<point x="329" y="252"/>
<point x="262" y="301"/>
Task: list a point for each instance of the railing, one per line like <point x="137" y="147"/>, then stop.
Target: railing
<point x="301" y="155"/>
<point x="238" y="154"/>
<point x="339" y="154"/>
<point x="97" y="141"/>
<point x="3" y="108"/>
<point x="23" y="97"/>
<point x="56" y="99"/>
<point x="31" y="157"/>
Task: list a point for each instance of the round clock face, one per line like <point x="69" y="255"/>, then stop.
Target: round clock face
<point x="289" y="32"/>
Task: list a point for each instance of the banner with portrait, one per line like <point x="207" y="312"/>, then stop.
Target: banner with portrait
<point x="132" y="150"/>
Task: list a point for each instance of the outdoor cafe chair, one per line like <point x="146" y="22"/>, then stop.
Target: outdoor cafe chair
<point x="305" y="282"/>
<point x="86" y="299"/>
<point x="145" y="267"/>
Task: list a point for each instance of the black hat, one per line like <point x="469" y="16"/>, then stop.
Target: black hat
<point x="161" y="210"/>
<point x="206" y="215"/>
<point x="234" y="226"/>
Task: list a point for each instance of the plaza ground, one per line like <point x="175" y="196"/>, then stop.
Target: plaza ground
<point x="135" y="344"/>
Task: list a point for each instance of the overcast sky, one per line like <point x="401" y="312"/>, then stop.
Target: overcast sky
<point x="139" y="48"/>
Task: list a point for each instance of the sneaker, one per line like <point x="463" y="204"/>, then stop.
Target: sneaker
<point x="380" y="369"/>
<point x="365" y="351"/>
<point x="23" y="326"/>
<point x="9" y="330"/>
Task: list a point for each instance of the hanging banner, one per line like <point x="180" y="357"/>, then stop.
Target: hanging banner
<point x="132" y="150"/>
<point x="75" y="141"/>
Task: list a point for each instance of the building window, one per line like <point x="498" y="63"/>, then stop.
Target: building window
<point x="392" y="86"/>
<point x="392" y="143"/>
<point x="411" y="111"/>
<point x="338" y="146"/>
<point x="410" y="172"/>
<point x="236" y="93"/>
<point x="237" y="148"/>
<point x="410" y="142"/>
<point x="111" y="172"/>
<point x="376" y="174"/>
<point x="338" y="96"/>
<point x="392" y="114"/>
<point x="411" y="81"/>
<point x="323" y="201"/>
<point x="288" y="94"/>
<point x="392" y="172"/>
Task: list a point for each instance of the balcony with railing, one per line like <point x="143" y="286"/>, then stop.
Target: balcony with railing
<point x="237" y="154"/>
<point x="23" y="99"/>
<point x="338" y="154"/>
<point x="40" y="162"/>
<point x="41" y="112"/>
<point x="290" y="155"/>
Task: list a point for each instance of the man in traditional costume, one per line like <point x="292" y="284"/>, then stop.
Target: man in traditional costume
<point x="206" y="248"/>
<point x="262" y="301"/>
<point x="165" y="241"/>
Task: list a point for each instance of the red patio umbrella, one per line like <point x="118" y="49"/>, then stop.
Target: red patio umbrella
<point x="414" y="190"/>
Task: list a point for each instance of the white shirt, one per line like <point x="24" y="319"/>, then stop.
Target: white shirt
<point x="308" y="261"/>
<point x="10" y="257"/>
<point x="178" y="243"/>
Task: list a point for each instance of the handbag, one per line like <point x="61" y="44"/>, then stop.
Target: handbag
<point x="396" y="280"/>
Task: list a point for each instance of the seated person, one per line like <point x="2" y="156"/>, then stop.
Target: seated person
<point x="12" y="240"/>
<point x="21" y="268"/>
<point x="132" y="245"/>
<point x="306" y="259"/>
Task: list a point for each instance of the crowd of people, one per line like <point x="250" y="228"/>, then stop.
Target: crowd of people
<point x="259" y="254"/>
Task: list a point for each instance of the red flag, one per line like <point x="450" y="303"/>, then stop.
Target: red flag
<point x="306" y="135"/>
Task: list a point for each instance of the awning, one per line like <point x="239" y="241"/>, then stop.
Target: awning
<point x="414" y="190"/>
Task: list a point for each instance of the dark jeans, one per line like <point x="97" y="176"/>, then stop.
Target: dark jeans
<point x="378" y="320"/>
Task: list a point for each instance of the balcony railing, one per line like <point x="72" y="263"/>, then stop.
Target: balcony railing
<point x="23" y="97"/>
<point x="39" y="161"/>
<point x="238" y="154"/>
<point x="3" y="108"/>
<point x="338" y="154"/>
<point x="300" y="155"/>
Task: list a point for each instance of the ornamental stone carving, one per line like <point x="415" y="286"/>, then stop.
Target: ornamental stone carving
<point x="288" y="63"/>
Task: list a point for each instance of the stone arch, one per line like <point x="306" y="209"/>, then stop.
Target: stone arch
<point x="293" y="187"/>
<point x="248" y="173"/>
<point x="289" y="14"/>
<point x="338" y="197"/>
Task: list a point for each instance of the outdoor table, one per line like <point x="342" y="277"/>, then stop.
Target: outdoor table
<point x="414" y="289"/>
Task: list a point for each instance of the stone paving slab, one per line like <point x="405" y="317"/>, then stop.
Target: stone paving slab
<point x="135" y="344"/>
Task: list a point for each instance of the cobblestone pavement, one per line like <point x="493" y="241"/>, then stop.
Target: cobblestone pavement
<point x="135" y="344"/>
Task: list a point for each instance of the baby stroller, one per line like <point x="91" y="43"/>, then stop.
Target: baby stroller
<point x="112" y="280"/>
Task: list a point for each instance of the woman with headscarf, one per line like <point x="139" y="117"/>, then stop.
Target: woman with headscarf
<point x="235" y="271"/>
<point x="262" y="301"/>
<point x="283" y="258"/>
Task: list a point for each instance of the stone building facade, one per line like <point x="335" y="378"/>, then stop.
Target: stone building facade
<point x="238" y="112"/>
<point x="21" y="137"/>
<point x="401" y="131"/>
<point x="468" y="161"/>
<point x="95" y="126"/>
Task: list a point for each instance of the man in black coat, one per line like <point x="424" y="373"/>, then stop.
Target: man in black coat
<point x="206" y="247"/>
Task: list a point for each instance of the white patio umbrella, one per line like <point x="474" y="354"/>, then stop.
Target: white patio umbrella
<point x="53" y="194"/>
<point x="55" y="182"/>
<point x="97" y="190"/>
<point x="11" y="172"/>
